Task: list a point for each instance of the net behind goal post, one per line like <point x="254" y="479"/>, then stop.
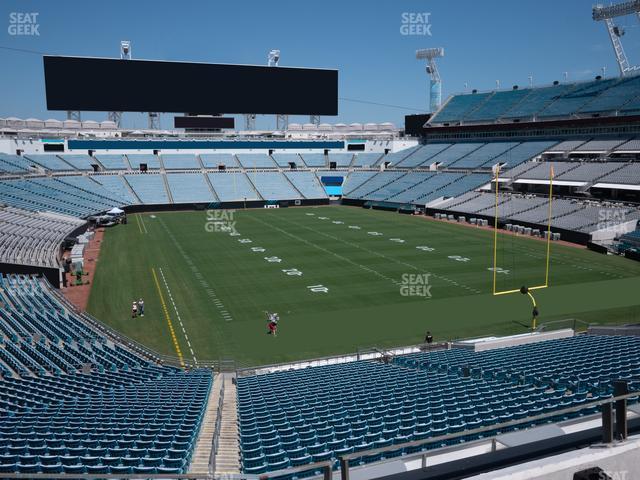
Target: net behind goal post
<point x="531" y="262"/>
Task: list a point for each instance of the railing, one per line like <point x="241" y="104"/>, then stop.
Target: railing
<point x="368" y="353"/>
<point x="326" y="467"/>
<point x="216" y="431"/>
<point x="572" y="323"/>
<point x="607" y="435"/>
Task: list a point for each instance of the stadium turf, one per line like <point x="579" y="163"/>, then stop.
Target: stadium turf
<point x="388" y="278"/>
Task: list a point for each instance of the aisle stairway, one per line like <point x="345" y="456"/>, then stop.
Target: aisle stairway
<point x="227" y="457"/>
<point x="202" y="453"/>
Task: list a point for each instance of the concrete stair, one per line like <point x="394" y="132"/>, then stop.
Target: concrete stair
<point x="204" y="445"/>
<point x="228" y="457"/>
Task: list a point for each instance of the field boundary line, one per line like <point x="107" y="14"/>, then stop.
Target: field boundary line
<point x="175" y="308"/>
<point x="168" y="317"/>
<point x="144" y="225"/>
<point x="138" y="222"/>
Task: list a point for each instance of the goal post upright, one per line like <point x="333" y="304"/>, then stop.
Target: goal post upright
<point x="495" y="238"/>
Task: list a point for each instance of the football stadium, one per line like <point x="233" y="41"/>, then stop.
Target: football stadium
<point x="268" y="241"/>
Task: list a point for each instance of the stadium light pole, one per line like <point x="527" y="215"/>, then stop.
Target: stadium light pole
<point x="435" y="84"/>
<point x="607" y="14"/>
<point x="273" y="60"/>
<point x="125" y="54"/>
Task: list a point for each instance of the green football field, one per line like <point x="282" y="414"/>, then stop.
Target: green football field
<point x="341" y="278"/>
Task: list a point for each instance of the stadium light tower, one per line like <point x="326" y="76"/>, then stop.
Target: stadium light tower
<point x="607" y="14"/>
<point x="125" y="54"/>
<point x="273" y="60"/>
<point x="435" y="87"/>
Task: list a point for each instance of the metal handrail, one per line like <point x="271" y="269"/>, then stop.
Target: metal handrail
<point x="344" y="459"/>
<point x="216" y="432"/>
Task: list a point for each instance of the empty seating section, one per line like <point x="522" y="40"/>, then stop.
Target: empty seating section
<point x="577" y="215"/>
<point x="291" y="418"/>
<point x="599" y="145"/>
<point x="542" y="170"/>
<point x="589" y="171"/>
<point x="422" y="155"/>
<point x="180" y="161"/>
<point x="615" y="97"/>
<point x="14" y="164"/>
<point x="414" y="189"/>
<point x="454" y="153"/>
<point x="355" y="180"/>
<point x="89" y="186"/>
<point x="537" y="99"/>
<point x="559" y="101"/>
<point x="112" y="162"/>
<point x="81" y="162"/>
<point x="436" y="187"/>
<point x="49" y="161"/>
<point x="72" y="402"/>
<point x="459" y="106"/>
<point x="78" y="192"/>
<point x="630" y="146"/>
<point x="233" y="187"/>
<point x="484" y="155"/>
<point x="470" y="202"/>
<point x="189" y="187"/>
<point x="256" y="160"/>
<point x="150" y="160"/>
<point x="497" y="105"/>
<point x="629" y="175"/>
<point x="398" y="185"/>
<point x="314" y="160"/>
<point x="49" y="194"/>
<point x="273" y="186"/>
<point x="365" y="159"/>
<point x="33" y="238"/>
<point x="307" y="184"/>
<point x="214" y="160"/>
<point x="569" y="103"/>
<point x="283" y="160"/>
<point x="589" y="218"/>
<point x="117" y="185"/>
<point x="521" y="153"/>
<point x="396" y="158"/>
<point x="148" y="188"/>
<point x="374" y="183"/>
<point x="342" y="160"/>
<point x="566" y="146"/>
<point x="585" y="172"/>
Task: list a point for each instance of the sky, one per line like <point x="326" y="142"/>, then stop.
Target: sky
<point x="493" y="40"/>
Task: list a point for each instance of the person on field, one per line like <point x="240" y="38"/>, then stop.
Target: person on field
<point x="273" y="324"/>
<point x="141" y="307"/>
<point x="428" y="338"/>
<point x="134" y="310"/>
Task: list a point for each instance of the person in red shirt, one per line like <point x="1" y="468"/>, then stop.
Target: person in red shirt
<point x="273" y="324"/>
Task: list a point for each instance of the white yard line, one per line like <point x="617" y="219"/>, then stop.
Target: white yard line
<point x="175" y="308"/>
<point x="345" y="259"/>
<point x="409" y="265"/>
